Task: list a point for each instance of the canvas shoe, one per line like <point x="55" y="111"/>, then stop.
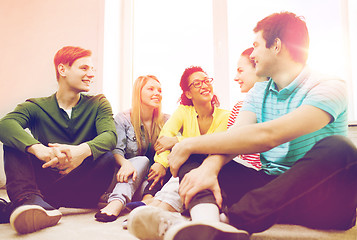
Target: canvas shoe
<point x="151" y="223"/>
<point x="33" y="214"/>
<point x="205" y="231"/>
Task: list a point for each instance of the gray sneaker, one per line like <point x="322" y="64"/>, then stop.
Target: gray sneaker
<point x="151" y="223"/>
<point x="205" y="231"/>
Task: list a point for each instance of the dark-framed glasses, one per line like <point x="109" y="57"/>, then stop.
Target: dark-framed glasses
<point x="198" y="83"/>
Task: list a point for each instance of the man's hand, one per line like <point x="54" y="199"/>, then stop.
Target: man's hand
<point x="178" y="156"/>
<point x="125" y="171"/>
<point x="75" y="156"/>
<point x="164" y="143"/>
<point x="197" y="180"/>
<point x="46" y="154"/>
<point x="156" y="173"/>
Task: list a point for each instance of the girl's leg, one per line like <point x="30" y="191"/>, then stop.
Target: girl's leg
<point x="168" y="197"/>
<point x="124" y="192"/>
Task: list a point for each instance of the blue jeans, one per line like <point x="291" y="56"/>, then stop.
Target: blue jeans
<point x="81" y="188"/>
<point x="318" y="191"/>
<point x="125" y="191"/>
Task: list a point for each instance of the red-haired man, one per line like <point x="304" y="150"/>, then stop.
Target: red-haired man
<point x="71" y="142"/>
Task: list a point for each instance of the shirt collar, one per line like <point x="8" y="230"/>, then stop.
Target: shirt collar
<point x="213" y="114"/>
<point x="293" y="85"/>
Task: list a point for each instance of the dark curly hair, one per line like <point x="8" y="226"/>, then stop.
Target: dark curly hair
<point x="184" y="86"/>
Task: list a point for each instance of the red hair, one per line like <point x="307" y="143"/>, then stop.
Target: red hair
<point x="69" y="54"/>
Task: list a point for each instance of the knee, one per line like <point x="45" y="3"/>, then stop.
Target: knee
<point x="106" y="161"/>
<point x="140" y="163"/>
<point x="339" y="143"/>
<point x="194" y="161"/>
<point x="9" y="152"/>
<point x="341" y="147"/>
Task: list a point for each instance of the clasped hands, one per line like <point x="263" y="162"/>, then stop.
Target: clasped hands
<point x="63" y="157"/>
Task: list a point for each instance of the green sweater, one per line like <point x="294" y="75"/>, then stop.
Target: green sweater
<point x="91" y="122"/>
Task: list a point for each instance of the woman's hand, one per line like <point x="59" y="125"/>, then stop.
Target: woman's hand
<point x="164" y="143"/>
<point x="125" y="171"/>
<point x="156" y="173"/>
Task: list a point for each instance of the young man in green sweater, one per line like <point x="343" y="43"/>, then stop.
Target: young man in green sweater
<point x="67" y="161"/>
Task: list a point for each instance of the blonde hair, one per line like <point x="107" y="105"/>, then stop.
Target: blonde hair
<point x="157" y="118"/>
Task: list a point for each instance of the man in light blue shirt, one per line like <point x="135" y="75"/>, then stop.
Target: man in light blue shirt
<point x="297" y="121"/>
<point x="310" y="89"/>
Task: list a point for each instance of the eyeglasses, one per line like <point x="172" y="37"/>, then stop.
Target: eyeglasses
<point x="198" y="83"/>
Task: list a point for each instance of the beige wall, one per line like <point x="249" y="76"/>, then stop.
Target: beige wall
<point x="31" y="32"/>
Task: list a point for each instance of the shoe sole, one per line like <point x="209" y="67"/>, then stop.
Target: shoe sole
<point x="205" y="231"/>
<point x="146" y="222"/>
<point x="139" y="228"/>
<point x="31" y="218"/>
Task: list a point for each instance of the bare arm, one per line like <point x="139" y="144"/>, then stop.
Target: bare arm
<point x="245" y="138"/>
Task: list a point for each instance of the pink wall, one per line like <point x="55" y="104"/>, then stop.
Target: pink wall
<point x="31" y="32"/>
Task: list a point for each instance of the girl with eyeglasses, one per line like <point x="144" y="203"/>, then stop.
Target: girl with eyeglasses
<point x="197" y="114"/>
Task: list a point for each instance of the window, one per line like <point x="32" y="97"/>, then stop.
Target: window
<point x="163" y="37"/>
<point x="329" y="46"/>
<point x="168" y="37"/>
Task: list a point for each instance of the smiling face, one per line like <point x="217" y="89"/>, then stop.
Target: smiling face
<point x="246" y="76"/>
<point x="265" y="58"/>
<point x="78" y="77"/>
<point x="151" y="94"/>
<point x="202" y="94"/>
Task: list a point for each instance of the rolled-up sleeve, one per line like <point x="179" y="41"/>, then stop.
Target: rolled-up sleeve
<point x="170" y="129"/>
<point x="119" y="121"/>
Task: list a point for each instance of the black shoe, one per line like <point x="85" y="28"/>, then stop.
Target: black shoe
<point x="33" y="214"/>
<point x="5" y="210"/>
<point x="103" y="217"/>
<point x="132" y="205"/>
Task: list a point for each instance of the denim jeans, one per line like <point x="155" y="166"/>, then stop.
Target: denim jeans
<point x="318" y="191"/>
<point x="125" y="191"/>
<point x="80" y="188"/>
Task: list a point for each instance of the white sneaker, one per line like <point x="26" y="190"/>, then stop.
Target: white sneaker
<point x="30" y="218"/>
<point x="151" y="223"/>
<point x="205" y="231"/>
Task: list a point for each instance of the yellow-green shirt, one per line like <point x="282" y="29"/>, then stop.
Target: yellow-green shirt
<point x="184" y="120"/>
